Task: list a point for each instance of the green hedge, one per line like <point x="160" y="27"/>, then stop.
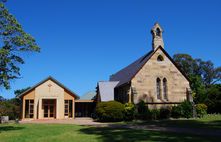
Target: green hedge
<point x="201" y="110"/>
<point x="185" y="110"/>
<point x="154" y="114"/>
<point x="111" y="111"/>
<point x="176" y="111"/>
<point x="129" y="111"/>
<point x="142" y="112"/>
<point x="165" y="113"/>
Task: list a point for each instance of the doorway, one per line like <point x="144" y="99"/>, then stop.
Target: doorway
<point x="49" y="107"/>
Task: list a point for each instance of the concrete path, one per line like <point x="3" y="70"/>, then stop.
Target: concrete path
<point x="76" y="121"/>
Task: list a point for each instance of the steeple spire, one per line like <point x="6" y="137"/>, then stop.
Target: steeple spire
<point x="157" y="40"/>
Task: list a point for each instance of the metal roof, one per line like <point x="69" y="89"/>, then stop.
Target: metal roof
<point x="126" y="74"/>
<point x="88" y="96"/>
<point x="106" y="90"/>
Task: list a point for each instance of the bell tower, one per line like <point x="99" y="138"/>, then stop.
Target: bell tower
<point x="157" y="40"/>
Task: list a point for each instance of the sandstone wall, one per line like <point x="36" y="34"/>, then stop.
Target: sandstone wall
<point x="145" y="81"/>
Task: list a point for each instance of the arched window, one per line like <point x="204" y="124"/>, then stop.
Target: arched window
<point x="158" y="83"/>
<point x="165" y="89"/>
<point x="160" y="58"/>
<point x="158" y="32"/>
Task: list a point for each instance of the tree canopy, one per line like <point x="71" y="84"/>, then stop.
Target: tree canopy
<point x="20" y="91"/>
<point x="205" y="70"/>
<point x="204" y="80"/>
<point x="14" y="43"/>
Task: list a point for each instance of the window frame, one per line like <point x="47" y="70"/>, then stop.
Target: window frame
<point x="29" y="108"/>
<point x="158" y="88"/>
<point x="165" y="89"/>
<point x="68" y="108"/>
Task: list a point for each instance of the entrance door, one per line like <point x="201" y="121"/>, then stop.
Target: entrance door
<point x="49" y="106"/>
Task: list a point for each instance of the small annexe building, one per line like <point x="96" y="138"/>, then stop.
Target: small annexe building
<point x="48" y="99"/>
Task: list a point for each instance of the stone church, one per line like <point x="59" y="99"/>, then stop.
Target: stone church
<point x="154" y="78"/>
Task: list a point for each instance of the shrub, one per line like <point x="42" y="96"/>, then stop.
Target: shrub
<point x="165" y="113"/>
<point x="142" y="111"/>
<point x="154" y="114"/>
<point x="9" y="108"/>
<point x="111" y="111"/>
<point x="129" y="111"/>
<point x="141" y="107"/>
<point x="201" y="110"/>
<point x="176" y="111"/>
<point x="187" y="109"/>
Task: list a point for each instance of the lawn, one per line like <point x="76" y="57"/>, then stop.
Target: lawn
<point x="208" y="122"/>
<point x="69" y="133"/>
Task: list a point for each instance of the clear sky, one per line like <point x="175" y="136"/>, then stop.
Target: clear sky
<point x="85" y="41"/>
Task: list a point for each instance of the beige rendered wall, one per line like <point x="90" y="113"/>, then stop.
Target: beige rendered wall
<point x="145" y="81"/>
<point x="30" y="95"/>
<point x="67" y="96"/>
<point x="49" y="90"/>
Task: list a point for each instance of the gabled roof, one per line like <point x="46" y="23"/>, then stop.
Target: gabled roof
<point x="127" y="74"/>
<point x="43" y="81"/>
<point x="88" y="96"/>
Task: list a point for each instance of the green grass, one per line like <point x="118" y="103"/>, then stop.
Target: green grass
<point x="69" y="133"/>
<point x="208" y="122"/>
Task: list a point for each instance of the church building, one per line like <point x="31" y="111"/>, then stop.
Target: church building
<point x="154" y="78"/>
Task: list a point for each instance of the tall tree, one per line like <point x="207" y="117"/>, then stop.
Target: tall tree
<point x="202" y="75"/>
<point x="14" y="42"/>
<point x="197" y="67"/>
<point x="210" y="74"/>
<point x="20" y="91"/>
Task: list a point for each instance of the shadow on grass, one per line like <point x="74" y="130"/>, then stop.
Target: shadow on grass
<point x="9" y="128"/>
<point x="183" y="123"/>
<point x="107" y="134"/>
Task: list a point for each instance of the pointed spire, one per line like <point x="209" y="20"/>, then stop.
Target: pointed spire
<point x="157" y="36"/>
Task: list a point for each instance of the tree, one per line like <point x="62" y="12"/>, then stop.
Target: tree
<point x="202" y="74"/>
<point x="214" y="98"/>
<point x="1" y="99"/>
<point x="186" y="63"/>
<point x="209" y="73"/>
<point x="197" y="67"/>
<point x="12" y="107"/>
<point x="14" y="42"/>
<point x="20" y="91"/>
<point x="198" y="89"/>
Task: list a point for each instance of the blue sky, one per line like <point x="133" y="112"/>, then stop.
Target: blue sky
<point x="85" y="41"/>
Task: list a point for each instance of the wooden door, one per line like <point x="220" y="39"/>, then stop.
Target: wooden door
<point x="49" y="107"/>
